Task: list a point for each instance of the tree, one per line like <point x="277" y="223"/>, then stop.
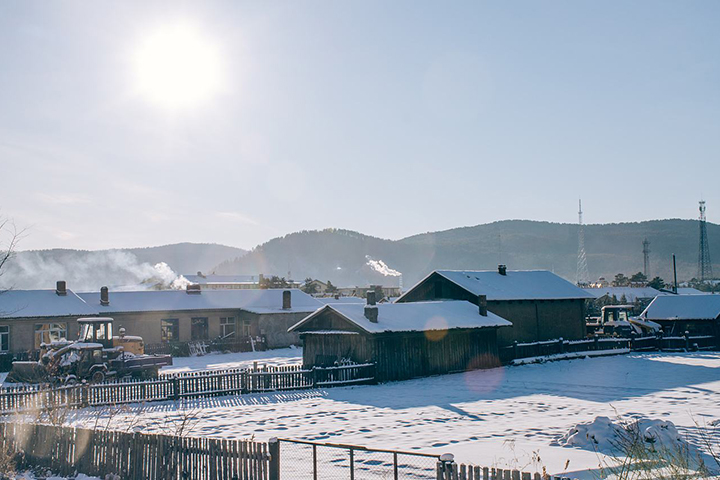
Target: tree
<point x="621" y="280"/>
<point x="9" y="238"/>
<point x="309" y="287"/>
<point x="639" y="278"/>
<point x="330" y="287"/>
<point x="274" y="282"/>
<point x="657" y="283"/>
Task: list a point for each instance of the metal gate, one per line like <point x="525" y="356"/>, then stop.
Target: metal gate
<point x="297" y="459"/>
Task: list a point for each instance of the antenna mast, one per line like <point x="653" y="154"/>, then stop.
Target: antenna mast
<point x="646" y="258"/>
<point x="583" y="277"/>
<point x="704" y="264"/>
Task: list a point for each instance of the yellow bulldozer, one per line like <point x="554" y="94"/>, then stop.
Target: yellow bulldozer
<point x="95" y="356"/>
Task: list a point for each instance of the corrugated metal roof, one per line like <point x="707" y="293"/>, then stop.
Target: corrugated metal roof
<point x="416" y="316"/>
<point x="256" y="301"/>
<point x="42" y="303"/>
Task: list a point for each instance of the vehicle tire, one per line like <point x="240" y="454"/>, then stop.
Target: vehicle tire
<point x="98" y="376"/>
<point x="70" y="380"/>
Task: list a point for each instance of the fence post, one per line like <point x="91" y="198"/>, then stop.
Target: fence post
<point x="515" y="350"/>
<point x="561" y="343"/>
<point x="687" y="341"/>
<point x="445" y="465"/>
<point x="596" y="342"/>
<point x="314" y="377"/>
<point x="84" y="395"/>
<point x="274" y="451"/>
<point x="632" y="340"/>
<point x="176" y="387"/>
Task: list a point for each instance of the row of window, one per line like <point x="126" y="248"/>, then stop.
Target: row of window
<point x="169" y="331"/>
<point x="170" y="328"/>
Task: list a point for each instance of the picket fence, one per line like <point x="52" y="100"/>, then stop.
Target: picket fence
<point x="454" y="471"/>
<point x="67" y="450"/>
<point x="201" y="384"/>
<point x="560" y="346"/>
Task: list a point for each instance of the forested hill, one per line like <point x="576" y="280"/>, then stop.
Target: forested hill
<point x="89" y="270"/>
<point x="342" y="256"/>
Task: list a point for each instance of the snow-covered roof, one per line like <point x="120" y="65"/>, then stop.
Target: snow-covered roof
<point x="690" y="291"/>
<point x="514" y="285"/>
<point x="416" y="316"/>
<point x="683" y="307"/>
<point x="630" y="293"/>
<point x="340" y="300"/>
<point x="42" y="303"/>
<point x="212" y="278"/>
<point x="255" y="301"/>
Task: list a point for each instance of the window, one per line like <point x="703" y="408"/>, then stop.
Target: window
<point x="49" y="332"/>
<point x="169" y="330"/>
<point x="4" y="338"/>
<point x="227" y="327"/>
<point x="199" y="328"/>
<point x="245" y="328"/>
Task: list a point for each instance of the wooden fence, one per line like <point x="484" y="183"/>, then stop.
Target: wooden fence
<point x="560" y="346"/>
<point x="447" y="469"/>
<point x="66" y="450"/>
<point x="186" y="385"/>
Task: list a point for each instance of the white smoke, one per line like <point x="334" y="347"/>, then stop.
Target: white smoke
<point x="87" y="271"/>
<point x="381" y="267"/>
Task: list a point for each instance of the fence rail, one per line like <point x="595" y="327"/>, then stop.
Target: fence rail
<point x="560" y="346"/>
<point x="186" y="385"/>
<point x="447" y="469"/>
<point x="66" y="450"/>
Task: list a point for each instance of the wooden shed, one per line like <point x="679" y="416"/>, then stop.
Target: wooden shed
<point x="404" y="340"/>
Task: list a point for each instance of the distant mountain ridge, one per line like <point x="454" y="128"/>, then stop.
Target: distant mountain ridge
<point x="90" y="269"/>
<point x="342" y="255"/>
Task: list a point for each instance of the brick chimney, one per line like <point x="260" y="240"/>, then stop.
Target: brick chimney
<point x="371" y="313"/>
<point x="104" y="297"/>
<point x="482" y="305"/>
<point x="61" y="288"/>
<point x="371" y="297"/>
<point x="193" y="289"/>
<point x="502" y="269"/>
<point x="287" y="300"/>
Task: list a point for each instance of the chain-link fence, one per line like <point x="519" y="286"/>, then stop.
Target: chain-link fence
<point x="328" y="461"/>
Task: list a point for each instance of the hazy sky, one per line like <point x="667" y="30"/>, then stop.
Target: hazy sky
<point x="391" y="118"/>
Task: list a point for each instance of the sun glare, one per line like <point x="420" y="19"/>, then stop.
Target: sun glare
<point x="177" y="67"/>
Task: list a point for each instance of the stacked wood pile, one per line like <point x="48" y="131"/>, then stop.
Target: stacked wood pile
<point x="66" y="450"/>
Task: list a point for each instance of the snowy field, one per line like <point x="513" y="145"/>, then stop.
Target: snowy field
<point x="212" y="361"/>
<point x="504" y="417"/>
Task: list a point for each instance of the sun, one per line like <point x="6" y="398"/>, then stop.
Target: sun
<point x="178" y="67"/>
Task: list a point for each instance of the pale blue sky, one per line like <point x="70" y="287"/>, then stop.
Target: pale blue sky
<point x="391" y="118"/>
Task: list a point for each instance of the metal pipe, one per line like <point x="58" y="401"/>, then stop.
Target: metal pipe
<point x="674" y="275"/>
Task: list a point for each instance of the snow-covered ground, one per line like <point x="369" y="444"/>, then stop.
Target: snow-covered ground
<point x="214" y="361"/>
<point x="500" y="417"/>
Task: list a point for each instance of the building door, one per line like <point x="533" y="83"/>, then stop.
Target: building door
<point x="199" y="328"/>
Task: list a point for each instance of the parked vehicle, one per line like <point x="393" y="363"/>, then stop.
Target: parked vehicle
<point x="95" y="356"/>
<point x="617" y="320"/>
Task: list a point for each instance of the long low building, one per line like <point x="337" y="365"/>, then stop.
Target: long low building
<point x="696" y="314"/>
<point x="31" y="317"/>
<point x="195" y="314"/>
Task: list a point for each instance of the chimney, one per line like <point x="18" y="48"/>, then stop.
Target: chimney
<point x="287" y="300"/>
<point x="371" y="297"/>
<point x="104" y="297"/>
<point x="482" y="305"/>
<point x="502" y="269"/>
<point x="371" y="313"/>
<point x="193" y="289"/>
<point x="61" y="288"/>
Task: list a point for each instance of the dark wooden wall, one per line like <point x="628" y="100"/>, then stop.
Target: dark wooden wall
<point x="533" y="320"/>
